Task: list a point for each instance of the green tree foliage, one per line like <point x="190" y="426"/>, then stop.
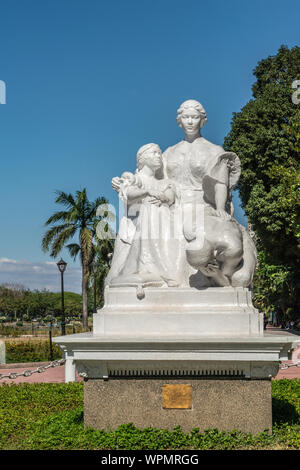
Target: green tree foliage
<point x="103" y="250"/>
<point x="16" y="303"/>
<point x="265" y="134"/>
<point x="276" y="289"/>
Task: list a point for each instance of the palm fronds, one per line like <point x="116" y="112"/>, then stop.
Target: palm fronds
<point x="80" y="218"/>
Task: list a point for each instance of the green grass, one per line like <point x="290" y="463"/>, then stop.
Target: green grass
<point x="50" y="416"/>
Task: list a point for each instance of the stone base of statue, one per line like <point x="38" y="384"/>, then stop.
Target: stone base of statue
<point x="187" y="357"/>
<point x="189" y="402"/>
<point x="169" y="312"/>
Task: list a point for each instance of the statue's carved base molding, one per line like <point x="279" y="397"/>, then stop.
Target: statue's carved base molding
<point x="98" y="357"/>
<point x="169" y="312"/>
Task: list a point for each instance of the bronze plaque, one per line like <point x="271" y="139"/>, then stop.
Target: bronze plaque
<point x="177" y="396"/>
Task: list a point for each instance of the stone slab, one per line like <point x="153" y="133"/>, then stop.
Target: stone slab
<point x="244" y="405"/>
<point x="97" y="357"/>
<point x="185" y="312"/>
<point x="179" y="298"/>
<point x="189" y="324"/>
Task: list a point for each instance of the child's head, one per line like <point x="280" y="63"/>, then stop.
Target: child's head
<point x="129" y="179"/>
<point x="150" y="155"/>
<point x="128" y="176"/>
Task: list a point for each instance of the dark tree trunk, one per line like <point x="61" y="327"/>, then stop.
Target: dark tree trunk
<point x="84" y="296"/>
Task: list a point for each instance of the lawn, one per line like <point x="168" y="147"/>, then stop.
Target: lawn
<point x="50" y="416"/>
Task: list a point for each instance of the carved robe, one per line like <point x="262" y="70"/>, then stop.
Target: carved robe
<point x="145" y="244"/>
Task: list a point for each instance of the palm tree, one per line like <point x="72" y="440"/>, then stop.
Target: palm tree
<point x="102" y="252"/>
<point x="79" y="217"/>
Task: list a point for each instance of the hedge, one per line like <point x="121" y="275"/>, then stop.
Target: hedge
<point x="30" y="351"/>
<point x="50" y="416"/>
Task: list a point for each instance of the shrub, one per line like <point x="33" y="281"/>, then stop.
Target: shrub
<point x="7" y="330"/>
<point x="30" y="351"/>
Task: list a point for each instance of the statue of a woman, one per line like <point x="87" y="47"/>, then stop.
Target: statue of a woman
<point x="205" y="175"/>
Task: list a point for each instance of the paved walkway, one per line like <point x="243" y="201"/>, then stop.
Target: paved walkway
<point x="53" y="374"/>
<point x="57" y="374"/>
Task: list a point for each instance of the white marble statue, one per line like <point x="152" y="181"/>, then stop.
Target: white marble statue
<point x="179" y="228"/>
<point x="176" y="302"/>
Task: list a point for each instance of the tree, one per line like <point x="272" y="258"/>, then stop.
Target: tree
<point x="103" y="250"/>
<point x="275" y="289"/>
<point x="16" y="301"/>
<point x="78" y="218"/>
<point x="265" y="134"/>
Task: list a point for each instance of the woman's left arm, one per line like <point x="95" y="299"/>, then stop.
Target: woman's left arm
<point x="222" y="176"/>
<point x="221" y="196"/>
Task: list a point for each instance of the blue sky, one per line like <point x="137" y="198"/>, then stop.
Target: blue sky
<point x="89" y="82"/>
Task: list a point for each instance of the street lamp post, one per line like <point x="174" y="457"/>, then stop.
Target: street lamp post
<point x="95" y="269"/>
<point x="62" y="267"/>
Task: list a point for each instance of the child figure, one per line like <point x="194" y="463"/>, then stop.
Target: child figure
<point x="149" y="199"/>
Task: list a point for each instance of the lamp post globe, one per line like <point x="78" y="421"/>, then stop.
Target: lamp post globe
<point x="61" y="265"/>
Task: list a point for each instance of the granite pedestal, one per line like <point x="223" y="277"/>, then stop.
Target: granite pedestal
<point x="224" y="404"/>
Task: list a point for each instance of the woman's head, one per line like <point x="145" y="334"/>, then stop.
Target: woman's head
<point x="191" y="116"/>
<point x="150" y="155"/>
